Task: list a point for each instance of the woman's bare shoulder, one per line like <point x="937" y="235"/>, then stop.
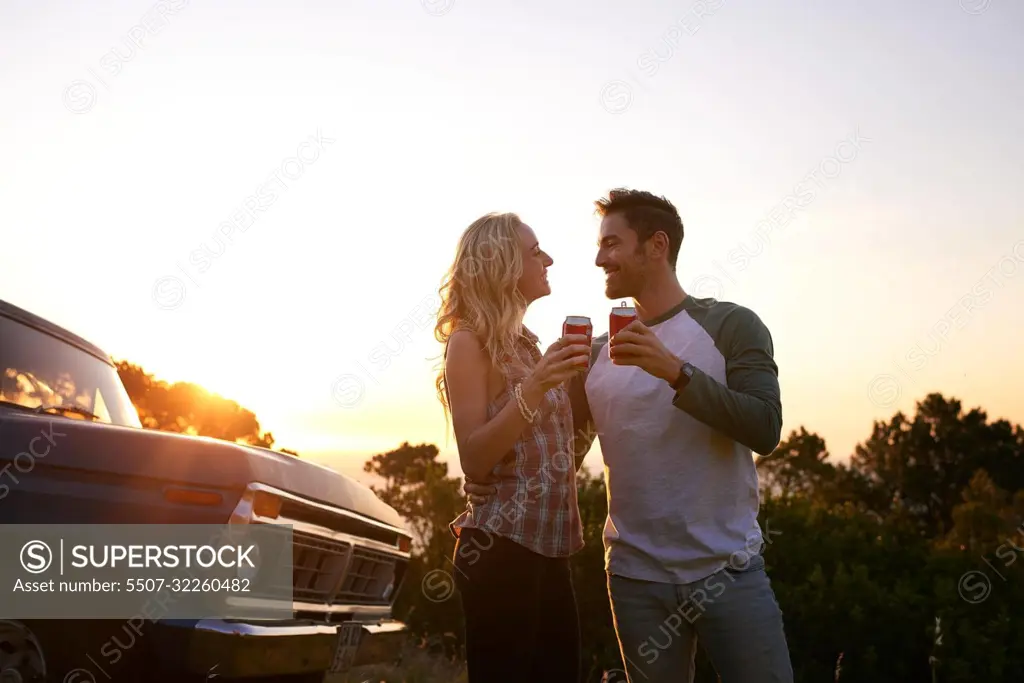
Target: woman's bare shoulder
<point x="467" y="361"/>
<point x="465" y="346"/>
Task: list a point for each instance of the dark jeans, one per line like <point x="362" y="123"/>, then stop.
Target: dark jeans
<point x="520" y="612"/>
<point x="732" y="613"/>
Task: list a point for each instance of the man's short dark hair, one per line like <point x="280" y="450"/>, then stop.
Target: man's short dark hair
<point x="645" y="214"/>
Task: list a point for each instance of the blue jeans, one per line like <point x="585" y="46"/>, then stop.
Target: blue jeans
<point x="732" y="612"/>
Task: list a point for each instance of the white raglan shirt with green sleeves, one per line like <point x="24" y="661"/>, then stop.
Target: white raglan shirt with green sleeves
<point x="679" y="468"/>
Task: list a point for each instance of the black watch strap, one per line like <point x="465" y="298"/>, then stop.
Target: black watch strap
<point x="685" y="373"/>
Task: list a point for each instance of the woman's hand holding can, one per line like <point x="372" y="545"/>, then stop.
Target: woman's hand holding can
<point x="560" y="362"/>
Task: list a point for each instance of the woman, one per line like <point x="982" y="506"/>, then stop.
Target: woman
<point x="510" y="412"/>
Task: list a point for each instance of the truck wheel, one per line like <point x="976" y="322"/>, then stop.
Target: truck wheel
<point x="21" y="657"/>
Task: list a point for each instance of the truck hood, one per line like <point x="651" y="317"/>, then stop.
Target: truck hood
<point x="320" y="483"/>
<point x="147" y="458"/>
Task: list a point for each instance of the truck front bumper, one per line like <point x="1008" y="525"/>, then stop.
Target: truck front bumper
<point x="240" y="649"/>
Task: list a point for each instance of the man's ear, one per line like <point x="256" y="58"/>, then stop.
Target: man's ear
<point x="657" y="245"/>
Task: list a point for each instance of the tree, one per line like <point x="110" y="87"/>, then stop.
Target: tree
<point x="797" y="467"/>
<point x="417" y="485"/>
<point x="987" y="516"/>
<point x="870" y="569"/>
<point x="600" y="648"/>
<point x="187" y="408"/>
<point x="919" y="467"/>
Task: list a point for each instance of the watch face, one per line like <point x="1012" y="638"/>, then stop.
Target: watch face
<point x="685" y="375"/>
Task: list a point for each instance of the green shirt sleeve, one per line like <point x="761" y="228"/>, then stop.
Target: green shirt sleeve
<point x="748" y="408"/>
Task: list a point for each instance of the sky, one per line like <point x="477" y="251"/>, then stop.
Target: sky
<point x="262" y="197"/>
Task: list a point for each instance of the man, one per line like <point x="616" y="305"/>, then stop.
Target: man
<point x="680" y="399"/>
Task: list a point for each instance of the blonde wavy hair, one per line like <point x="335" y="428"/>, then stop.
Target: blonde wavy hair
<point x="479" y="293"/>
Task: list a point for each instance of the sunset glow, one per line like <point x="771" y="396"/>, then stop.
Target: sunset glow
<point x="263" y="198"/>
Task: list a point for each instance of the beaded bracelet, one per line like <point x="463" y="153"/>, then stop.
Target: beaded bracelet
<point x="528" y="415"/>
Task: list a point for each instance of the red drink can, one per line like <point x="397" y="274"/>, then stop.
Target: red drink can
<point x="621" y="316"/>
<point x="578" y="324"/>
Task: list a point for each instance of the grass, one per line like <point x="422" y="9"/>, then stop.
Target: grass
<point x="418" y="666"/>
<point x="423" y="664"/>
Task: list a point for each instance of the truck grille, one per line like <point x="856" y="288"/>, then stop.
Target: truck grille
<point x="327" y="572"/>
<point x="368" y="577"/>
<point x="340" y="560"/>
<point x="317" y="566"/>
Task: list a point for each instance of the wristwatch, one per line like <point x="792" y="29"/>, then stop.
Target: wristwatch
<point x="685" y="374"/>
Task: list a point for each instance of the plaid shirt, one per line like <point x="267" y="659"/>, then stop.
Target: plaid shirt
<point x="535" y="504"/>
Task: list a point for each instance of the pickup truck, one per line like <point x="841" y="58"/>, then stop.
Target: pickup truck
<point x="72" y="450"/>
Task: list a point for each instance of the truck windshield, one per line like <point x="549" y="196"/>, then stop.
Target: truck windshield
<point x="42" y="372"/>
